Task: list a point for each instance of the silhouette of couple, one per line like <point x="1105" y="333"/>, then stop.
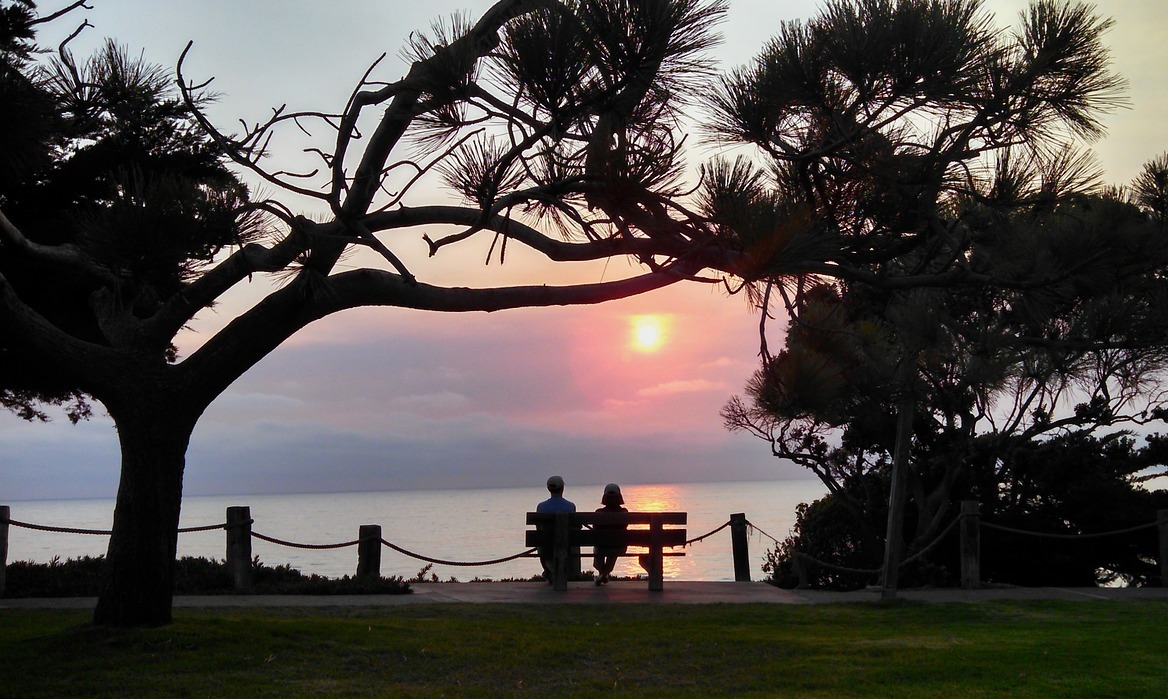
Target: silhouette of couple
<point x="604" y="558"/>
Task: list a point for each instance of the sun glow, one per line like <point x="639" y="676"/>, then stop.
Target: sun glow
<point x="647" y="333"/>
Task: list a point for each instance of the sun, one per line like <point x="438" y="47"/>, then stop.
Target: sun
<point x="647" y="333"/>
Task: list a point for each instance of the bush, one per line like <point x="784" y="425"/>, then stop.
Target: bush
<point x="81" y="577"/>
<point x="76" y="577"/>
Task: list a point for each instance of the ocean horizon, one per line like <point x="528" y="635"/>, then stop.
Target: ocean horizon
<point x="465" y="525"/>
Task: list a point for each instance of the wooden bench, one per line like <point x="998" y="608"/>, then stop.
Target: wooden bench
<point x="562" y="532"/>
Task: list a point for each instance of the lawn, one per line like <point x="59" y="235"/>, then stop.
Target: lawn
<point x="1015" y="649"/>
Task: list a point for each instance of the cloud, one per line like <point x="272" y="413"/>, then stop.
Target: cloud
<point x="676" y="387"/>
<point x="472" y="452"/>
<point x="432" y="404"/>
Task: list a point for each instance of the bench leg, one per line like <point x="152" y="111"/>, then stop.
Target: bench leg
<point x="562" y="553"/>
<point x="560" y="574"/>
<point x="656" y="558"/>
<point x="656" y="570"/>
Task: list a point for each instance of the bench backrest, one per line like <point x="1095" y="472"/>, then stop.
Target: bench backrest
<point x="607" y="532"/>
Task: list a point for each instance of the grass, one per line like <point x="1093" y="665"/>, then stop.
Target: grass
<point x="1015" y="649"/>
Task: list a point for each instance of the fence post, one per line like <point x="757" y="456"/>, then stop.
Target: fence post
<point x="239" y="547"/>
<point x="4" y="516"/>
<point x="369" y="552"/>
<point x="970" y="545"/>
<point x="738" y="541"/>
<point x="1162" y="517"/>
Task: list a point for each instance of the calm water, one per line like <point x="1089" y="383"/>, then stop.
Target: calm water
<point x="457" y="525"/>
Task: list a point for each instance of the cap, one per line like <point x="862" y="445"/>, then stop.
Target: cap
<point x="612" y="495"/>
<point x="555" y="483"/>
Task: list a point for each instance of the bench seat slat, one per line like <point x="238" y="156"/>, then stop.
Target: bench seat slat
<point x="591" y="537"/>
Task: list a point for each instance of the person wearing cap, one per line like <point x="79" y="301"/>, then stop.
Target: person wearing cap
<point x="604" y="558"/>
<point x="556" y="503"/>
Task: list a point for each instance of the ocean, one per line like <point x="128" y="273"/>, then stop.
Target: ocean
<point x="453" y="525"/>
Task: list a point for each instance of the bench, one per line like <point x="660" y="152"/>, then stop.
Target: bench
<point x="563" y="532"/>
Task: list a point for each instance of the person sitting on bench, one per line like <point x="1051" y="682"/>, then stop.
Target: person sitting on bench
<point x="605" y="558"/>
<point x="556" y="503"/>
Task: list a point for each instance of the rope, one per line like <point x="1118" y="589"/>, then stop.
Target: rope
<point x="99" y="532"/>
<point x="832" y="566"/>
<point x="209" y="527"/>
<point x="873" y="571"/>
<point x="315" y="547"/>
<point x="760" y="531"/>
<point x="439" y="561"/>
<point x="58" y="530"/>
<point x="933" y="544"/>
<point x="1093" y="535"/>
<point x="706" y="535"/>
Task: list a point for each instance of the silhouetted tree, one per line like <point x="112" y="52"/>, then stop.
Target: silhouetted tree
<point x="998" y="373"/>
<point x="898" y="140"/>
<point x="129" y="224"/>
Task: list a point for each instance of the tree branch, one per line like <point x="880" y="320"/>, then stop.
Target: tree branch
<point x="251" y="336"/>
<point x="553" y="249"/>
<point x="67" y="256"/>
<point x="465" y="52"/>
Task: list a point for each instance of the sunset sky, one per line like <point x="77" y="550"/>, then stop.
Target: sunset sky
<point x="381" y="399"/>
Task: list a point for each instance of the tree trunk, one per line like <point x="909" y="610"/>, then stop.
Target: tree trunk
<point x="139" y="583"/>
<point x="894" y="539"/>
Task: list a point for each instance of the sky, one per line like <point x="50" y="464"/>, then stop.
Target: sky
<point x="391" y="399"/>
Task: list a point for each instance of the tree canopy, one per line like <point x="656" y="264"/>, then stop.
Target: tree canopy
<point x="990" y="281"/>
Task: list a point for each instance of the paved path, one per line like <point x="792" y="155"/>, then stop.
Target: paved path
<point x="620" y="592"/>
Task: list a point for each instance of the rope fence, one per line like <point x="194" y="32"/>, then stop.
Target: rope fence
<point x="1091" y="535"/>
<point x="238" y="526"/>
<point x="239" y="530"/>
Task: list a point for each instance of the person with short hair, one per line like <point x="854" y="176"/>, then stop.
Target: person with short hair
<point x="605" y="557"/>
<point x="556" y="503"/>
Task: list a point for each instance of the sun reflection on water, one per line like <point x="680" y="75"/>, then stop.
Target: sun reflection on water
<point x="651" y="498"/>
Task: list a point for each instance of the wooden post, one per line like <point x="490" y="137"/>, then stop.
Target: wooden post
<point x="738" y="541"/>
<point x="561" y="552"/>
<point x="4" y="516"/>
<point x="239" y="547"/>
<point x="369" y="552"/>
<point x="656" y="554"/>
<point x="1162" y="516"/>
<point x="970" y="545"/>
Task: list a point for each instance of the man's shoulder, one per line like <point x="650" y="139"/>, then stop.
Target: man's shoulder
<point x="556" y="505"/>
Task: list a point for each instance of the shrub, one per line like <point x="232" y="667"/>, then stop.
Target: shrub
<point x="81" y="577"/>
